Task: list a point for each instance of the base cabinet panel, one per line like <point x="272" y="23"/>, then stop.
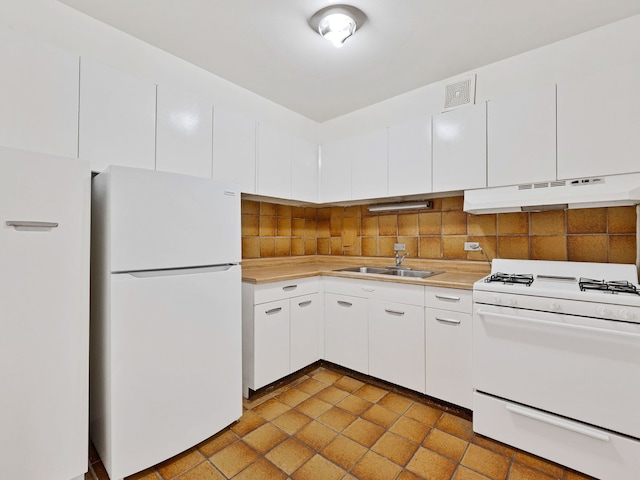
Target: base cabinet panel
<point x="306" y="320"/>
<point x="346" y="326"/>
<point x="271" y="342"/>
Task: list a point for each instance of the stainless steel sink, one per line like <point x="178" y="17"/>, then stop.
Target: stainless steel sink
<point x="363" y="269"/>
<point x="411" y="273"/>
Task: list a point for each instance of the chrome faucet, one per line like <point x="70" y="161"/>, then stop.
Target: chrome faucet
<point x="399" y="259"/>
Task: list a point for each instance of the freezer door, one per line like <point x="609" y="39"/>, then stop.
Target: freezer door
<point x="166" y="220"/>
<point x="175" y="363"/>
<point x="44" y="315"/>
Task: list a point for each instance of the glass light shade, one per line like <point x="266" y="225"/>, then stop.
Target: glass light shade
<point x="336" y="28"/>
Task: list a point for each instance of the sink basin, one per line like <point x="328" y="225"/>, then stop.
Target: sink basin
<point x="411" y="273"/>
<point x="363" y="269"/>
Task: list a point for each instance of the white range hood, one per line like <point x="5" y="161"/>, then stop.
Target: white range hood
<point x="615" y="190"/>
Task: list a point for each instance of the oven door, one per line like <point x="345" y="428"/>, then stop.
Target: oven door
<point x="581" y="368"/>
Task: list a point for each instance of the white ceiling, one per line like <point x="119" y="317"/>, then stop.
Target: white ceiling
<point x="269" y="48"/>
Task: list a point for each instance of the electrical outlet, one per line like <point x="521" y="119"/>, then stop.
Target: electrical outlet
<point x="398" y="247"/>
<point x="472" y="246"/>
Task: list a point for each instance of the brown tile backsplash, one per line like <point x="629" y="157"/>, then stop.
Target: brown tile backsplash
<point x="595" y="235"/>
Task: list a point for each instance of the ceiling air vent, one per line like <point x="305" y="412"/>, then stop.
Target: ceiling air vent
<point x="541" y="185"/>
<point x="460" y="93"/>
<point x="557" y="183"/>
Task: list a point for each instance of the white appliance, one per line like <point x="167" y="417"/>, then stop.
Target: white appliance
<point x="556" y="362"/>
<point x="44" y="315"/>
<point x="165" y="315"/>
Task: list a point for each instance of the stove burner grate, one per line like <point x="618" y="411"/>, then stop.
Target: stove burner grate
<point x="613" y="286"/>
<point x="510" y="278"/>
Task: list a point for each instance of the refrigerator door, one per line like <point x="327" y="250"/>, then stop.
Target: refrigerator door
<point x="44" y="315"/>
<point x="166" y="220"/>
<point x="176" y="374"/>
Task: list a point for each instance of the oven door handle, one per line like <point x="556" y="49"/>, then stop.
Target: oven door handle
<point x="583" y="328"/>
<point x="558" y="422"/>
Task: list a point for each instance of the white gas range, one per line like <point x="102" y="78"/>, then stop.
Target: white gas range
<point x="556" y="358"/>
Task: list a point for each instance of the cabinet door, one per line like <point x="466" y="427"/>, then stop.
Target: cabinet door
<point x="304" y="171"/>
<point x="396" y="343"/>
<point x="306" y="320"/>
<point x="335" y="171"/>
<point x="184" y="133"/>
<point x="39" y="96"/>
<point x="448" y="372"/>
<point x="410" y="158"/>
<point x="460" y="149"/>
<point x="274" y="162"/>
<point x="345" y="331"/>
<point x="117" y="118"/>
<point x="521" y="133"/>
<point x="234" y="149"/>
<point x="598" y="123"/>
<point x="369" y="165"/>
<point x="271" y="342"/>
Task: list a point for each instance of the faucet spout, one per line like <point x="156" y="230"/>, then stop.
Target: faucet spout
<point x="400" y="259"/>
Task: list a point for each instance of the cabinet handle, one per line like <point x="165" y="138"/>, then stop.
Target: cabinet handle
<point x="273" y="310"/>
<point x="28" y="225"/>
<point x="450" y="321"/>
<point x="344" y="304"/>
<point x="305" y="304"/>
<point x="393" y="312"/>
<point x="368" y="289"/>
<point x="448" y="297"/>
<point x="288" y="288"/>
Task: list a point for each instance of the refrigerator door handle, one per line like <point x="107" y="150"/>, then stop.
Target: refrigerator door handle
<point x="178" y="271"/>
<point x="25" y="225"/>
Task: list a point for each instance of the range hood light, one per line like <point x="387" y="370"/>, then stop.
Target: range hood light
<point x="394" y="207"/>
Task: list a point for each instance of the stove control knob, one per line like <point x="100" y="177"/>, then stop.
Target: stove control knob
<point x="554" y="306"/>
<point x="605" y="312"/>
<point x="512" y="301"/>
<point x="626" y="314"/>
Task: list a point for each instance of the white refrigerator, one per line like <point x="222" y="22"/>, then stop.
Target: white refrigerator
<point x="44" y="315"/>
<point x="165" y="315"/>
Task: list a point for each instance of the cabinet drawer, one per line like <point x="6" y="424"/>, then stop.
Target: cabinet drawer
<point x="383" y="291"/>
<point x="448" y="299"/>
<point x="269" y="292"/>
<point x="588" y="449"/>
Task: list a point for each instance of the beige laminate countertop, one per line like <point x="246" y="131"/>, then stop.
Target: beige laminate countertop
<point x="456" y="273"/>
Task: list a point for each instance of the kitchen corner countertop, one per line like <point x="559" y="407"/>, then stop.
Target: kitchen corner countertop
<point x="456" y="273"/>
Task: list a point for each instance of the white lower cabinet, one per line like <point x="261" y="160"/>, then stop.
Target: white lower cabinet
<point x="271" y="342"/>
<point x="345" y="331"/>
<point x="306" y="335"/>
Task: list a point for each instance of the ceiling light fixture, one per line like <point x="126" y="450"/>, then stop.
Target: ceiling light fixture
<point x="337" y="23"/>
<point x="395" y="207"/>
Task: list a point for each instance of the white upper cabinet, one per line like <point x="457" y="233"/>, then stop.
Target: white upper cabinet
<point x="599" y="123"/>
<point x="117" y="118"/>
<point x="304" y="170"/>
<point x="521" y="138"/>
<point x="460" y="149"/>
<point x="234" y="149"/>
<point x="369" y="164"/>
<point x="274" y="162"/>
<point x="335" y="171"/>
<point x="184" y="133"/>
<point x="39" y="96"/>
<point x="410" y="157"/>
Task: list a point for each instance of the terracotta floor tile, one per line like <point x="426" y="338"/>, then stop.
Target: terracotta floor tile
<point x="290" y="455"/>
<point x="407" y="475"/>
<point x="395" y="402"/>
<point x="364" y="432"/>
<point x="521" y="472"/>
<point x="247" y="423"/>
<point x="311" y="386"/>
<point x="264" y="438"/>
<point x="395" y="448"/>
<point x="375" y="467"/>
<point x="456" y="426"/>
<point x="381" y="416"/>
<point x="270" y="409"/>
<point x="354" y="404"/>
<point x="292" y="397"/>
<point x="327" y="376"/>
<point x="261" y="470"/>
<point x="331" y="395"/>
<point x="337" y="418"/>
<point x="424" y="413"/>
<point x="538" y="463"/>
<point x="463" y="473"/>
<point x="349" y="384"/>
<point x="445" y="444"/>
<point x="255" y="401"/>
<point x="410" y="429"/>
<point x="316" y="435"/>
<point x="344" y="452"/>
<point x="174" y="466"/>
<point x="93" y="454"/>
<point x="571" y="475"/>
<point x="318" y="468"/>
<point x="486" y="462"/>
<point x="204" y="471"/>
<point x="313" y="407"/>
<point x="148" y="474"/>
<point x="100" y="471"/>
<point x="371" y="393"/>
<point x="494" y="446"/>
<point x="291" y="421"/>
<point x="234" y="458"/>
<point x="217" y="442"/>
<point x="431" y="465"/>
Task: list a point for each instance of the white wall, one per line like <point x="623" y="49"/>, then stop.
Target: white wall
<point x="60" y="25"/>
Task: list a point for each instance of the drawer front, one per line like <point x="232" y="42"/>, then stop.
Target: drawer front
<point x="270" y="292"/>
<point x="585" y="448"/>
<point x="383" y="291"/>
<point x="448" y="299"/>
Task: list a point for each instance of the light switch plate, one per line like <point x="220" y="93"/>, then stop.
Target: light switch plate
<point x="398" y="247"/>
<point x="471" y="246"/>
